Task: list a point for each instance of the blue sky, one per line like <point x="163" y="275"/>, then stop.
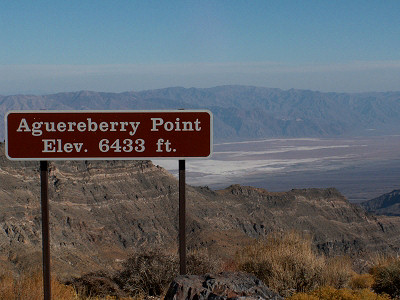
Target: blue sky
<point x="55" y="46"/>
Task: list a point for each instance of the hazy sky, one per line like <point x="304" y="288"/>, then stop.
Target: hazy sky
<point x="55" y="46"/>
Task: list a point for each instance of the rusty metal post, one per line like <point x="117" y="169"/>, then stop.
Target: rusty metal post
<point x="182" y="218"/>
<point x="45" y="230"/>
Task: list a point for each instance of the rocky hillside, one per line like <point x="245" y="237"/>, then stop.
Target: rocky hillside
<point x="387" y="204"/>
<point x="100" y="212"/>
<point x="337" y="226"/>
<point x="242" y="112"/>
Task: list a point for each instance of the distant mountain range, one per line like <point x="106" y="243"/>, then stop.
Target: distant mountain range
<point x="242" y="112"/>
<point x="387" y="204"/>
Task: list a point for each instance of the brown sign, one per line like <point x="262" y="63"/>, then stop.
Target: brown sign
<point x="95" y="135"/>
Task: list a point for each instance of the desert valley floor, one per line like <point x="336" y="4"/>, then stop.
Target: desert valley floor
<point x="361" y="168"/>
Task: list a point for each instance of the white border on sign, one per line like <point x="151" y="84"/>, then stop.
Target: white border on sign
<point x="110" y="111"/>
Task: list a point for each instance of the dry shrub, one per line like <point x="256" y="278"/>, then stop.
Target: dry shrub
<point x="29" y="286"/>
<point x="98" y="284"/>
<point x="386" y="274"/>
<point x="199" y="262"/>
<point x="287" y="264"/>
<point x="150" y="272"/>
<point x="305" y="296"/>
<point x="147" y="273"/>
<point x="337" y="272"/>
<point x="330" y="293"/>
<point x="109" y="298"/>
<point x="361" y="281"/>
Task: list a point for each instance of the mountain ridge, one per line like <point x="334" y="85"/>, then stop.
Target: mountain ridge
<point x="242" y="112"/>
<point x="387" y="204"/>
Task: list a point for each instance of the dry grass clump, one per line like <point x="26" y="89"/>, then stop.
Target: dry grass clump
<point x="330" y="293"/>
<point x="151" y="272"/>
<point x="337" y="272"/>
<point x="361" y="281"/>
<point x="386" y="274"/>
<point x="99" y="285"/>
<point x="199" y="262"/>
<point x="147" y="273"/>
<point x="29" y="286"/>
<point x="287" y="264"/>
<point x="7" y="287"/>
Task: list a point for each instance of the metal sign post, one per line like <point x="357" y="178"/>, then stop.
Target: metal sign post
<point x="182" y="218"/>
<point x="107" y="135"/>
<point x="45" y="230"/>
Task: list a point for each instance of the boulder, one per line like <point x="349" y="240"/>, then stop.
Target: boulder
<point x="226" y="285"/>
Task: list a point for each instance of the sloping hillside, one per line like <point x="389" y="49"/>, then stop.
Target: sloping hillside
<point x="100" y="212"/>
